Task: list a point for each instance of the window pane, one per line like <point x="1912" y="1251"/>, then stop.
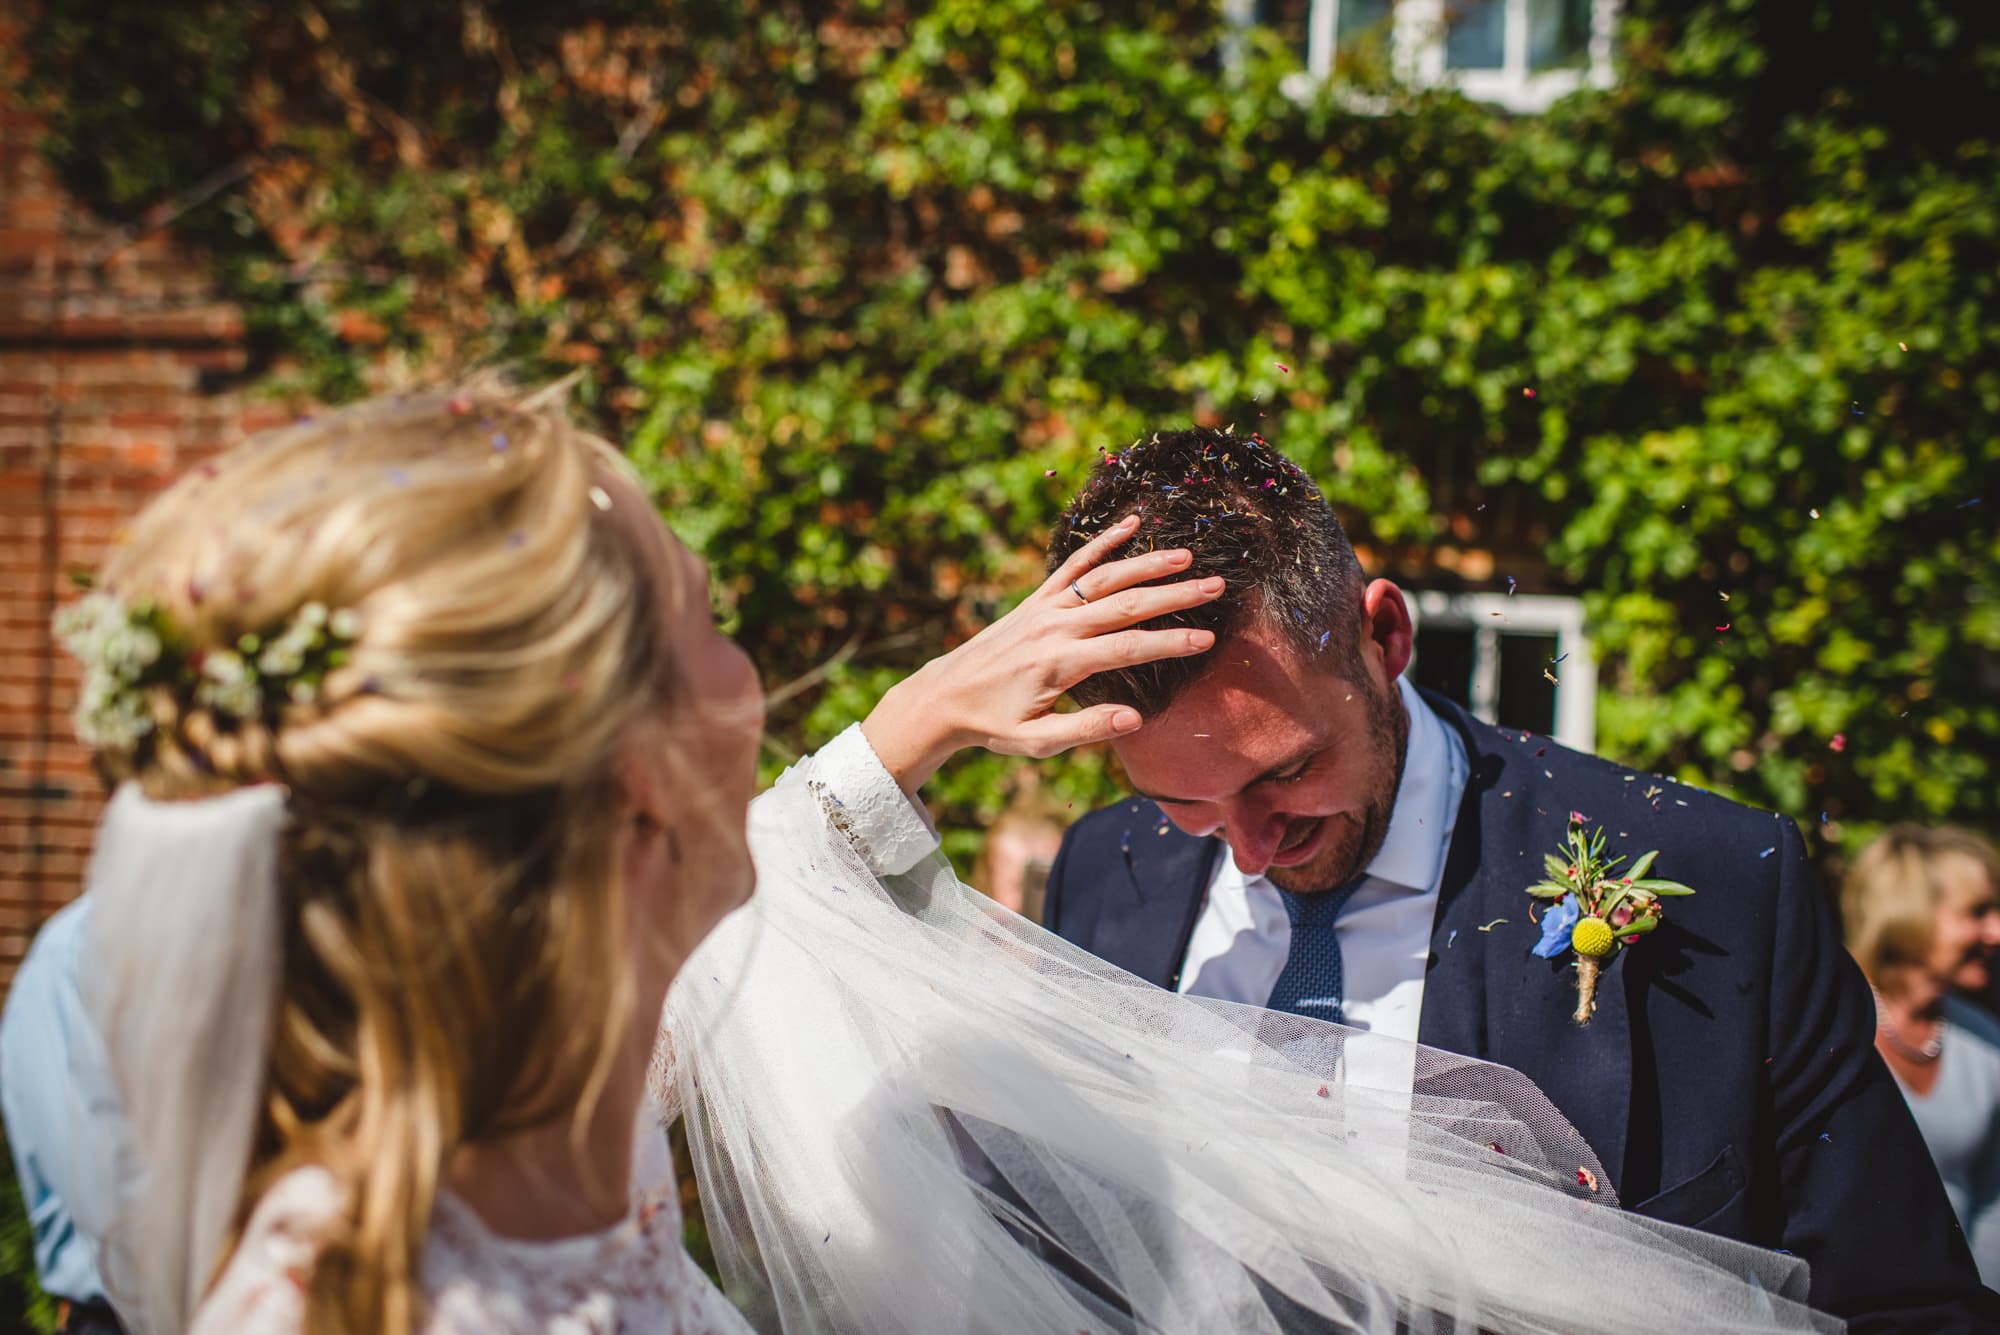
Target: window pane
<point x="1444" y="663"/>
<point x="1475" y="34"/>
<point x="1527" y="698"/>
<point x="1291" y="19"/>
<point x="1362" y="21"/>
<point x="1558" y="34"/>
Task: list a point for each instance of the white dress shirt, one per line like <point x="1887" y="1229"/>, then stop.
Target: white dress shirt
<point x="1243" y="935"/>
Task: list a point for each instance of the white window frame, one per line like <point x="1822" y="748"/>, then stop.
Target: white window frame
<point x="1417" y="53"/>
<point x="1491" y="615"/>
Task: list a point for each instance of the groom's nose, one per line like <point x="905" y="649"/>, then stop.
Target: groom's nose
<point x="1254" y="834"/>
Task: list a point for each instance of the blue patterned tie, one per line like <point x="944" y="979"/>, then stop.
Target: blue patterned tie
<point x="1310" y="984"/>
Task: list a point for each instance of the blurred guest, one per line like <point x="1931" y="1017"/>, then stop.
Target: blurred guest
<point x="43" y="1021"/>
<point x="1922" y="908"/>
<point x="1013" y="865"/>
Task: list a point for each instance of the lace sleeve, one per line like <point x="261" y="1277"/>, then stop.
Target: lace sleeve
<point x="262" y="1289"/>
<point x="863" y="801"/>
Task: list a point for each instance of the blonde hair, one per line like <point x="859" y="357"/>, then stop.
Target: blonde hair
<point x="453" y="968"/>
<point x="1889" y="898"/>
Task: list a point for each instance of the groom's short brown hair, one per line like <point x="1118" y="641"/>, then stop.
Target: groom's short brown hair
<point x="1249" y="515"/>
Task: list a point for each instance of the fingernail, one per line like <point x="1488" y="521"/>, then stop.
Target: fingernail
<point x="1200" y="639"/>
<point x="1125" y="720"/>
<point x="1180" y="556"/>
<point x="1213" y="584"/>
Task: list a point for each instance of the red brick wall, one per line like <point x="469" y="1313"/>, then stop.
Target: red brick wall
<point x="118" y="369"/>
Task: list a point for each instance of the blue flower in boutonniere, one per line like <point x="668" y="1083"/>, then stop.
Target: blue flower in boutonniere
<point x="1556" y="926"/>
<point x="1594" y="911"/>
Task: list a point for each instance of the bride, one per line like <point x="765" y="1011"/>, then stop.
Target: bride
<point x="435" y="778"/>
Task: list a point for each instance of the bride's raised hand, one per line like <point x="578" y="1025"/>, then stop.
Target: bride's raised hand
<point x="999" y="689"/>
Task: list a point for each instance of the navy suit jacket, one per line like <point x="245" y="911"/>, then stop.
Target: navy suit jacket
<point x="1728" y="1080"/>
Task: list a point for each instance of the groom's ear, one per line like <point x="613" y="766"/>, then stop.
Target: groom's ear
<point x="1385" y="624"/>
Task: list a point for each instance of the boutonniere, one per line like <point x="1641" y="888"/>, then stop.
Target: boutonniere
<point x="1595" y="911"/>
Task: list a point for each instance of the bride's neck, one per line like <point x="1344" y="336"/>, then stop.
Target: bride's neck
<point x="559" y="1180"/>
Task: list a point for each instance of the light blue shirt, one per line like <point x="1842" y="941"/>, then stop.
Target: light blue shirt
<point x="1960" y="1119"/>
<point x="41" y="1030"/>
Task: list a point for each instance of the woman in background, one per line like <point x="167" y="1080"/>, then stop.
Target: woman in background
<point x="1922" y="914"/>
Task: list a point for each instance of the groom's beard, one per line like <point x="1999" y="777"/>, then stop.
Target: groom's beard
<point x="1354" y="838"/>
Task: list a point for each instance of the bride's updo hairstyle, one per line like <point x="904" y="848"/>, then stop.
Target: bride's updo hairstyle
<point x="453" y="967"/>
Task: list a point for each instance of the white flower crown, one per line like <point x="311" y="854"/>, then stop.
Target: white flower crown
<point x="127" y="650"/>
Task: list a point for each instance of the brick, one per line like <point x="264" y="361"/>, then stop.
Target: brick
<point x="121" y="420"/>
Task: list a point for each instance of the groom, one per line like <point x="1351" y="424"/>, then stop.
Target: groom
<point x="1314" y="834"/>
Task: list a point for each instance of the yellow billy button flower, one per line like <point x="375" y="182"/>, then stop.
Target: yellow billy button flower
<point x="1592" y="937"/>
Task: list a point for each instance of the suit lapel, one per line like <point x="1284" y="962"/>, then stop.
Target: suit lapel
<point x="1485" y="994"/>
<point x="1154" y="897"/>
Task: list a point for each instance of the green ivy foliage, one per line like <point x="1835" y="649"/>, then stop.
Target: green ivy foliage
<point x="866" y="285"/>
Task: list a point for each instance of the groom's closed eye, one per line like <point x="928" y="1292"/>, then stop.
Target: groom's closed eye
<point x="1294" y="771"/>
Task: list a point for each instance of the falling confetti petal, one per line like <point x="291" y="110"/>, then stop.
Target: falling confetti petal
<point x="1527" y="393"/>
<point x="1969" y="504"/>
<point x="1510" y="586"/>
<point x="1838" y="741"/>
<point x="1767" y="852"/>
<point x="600" y="498"/>
<point x="1813" y="513"/>
<point x="1904" y="346"/>
<point x="1050" y="473"/>
<point x="1282" y="367"/>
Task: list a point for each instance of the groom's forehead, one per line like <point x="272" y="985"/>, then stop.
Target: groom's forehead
<point x="1233" y="724"/>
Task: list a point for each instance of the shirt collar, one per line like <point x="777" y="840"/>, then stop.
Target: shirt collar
<point x="1413" y="852"/>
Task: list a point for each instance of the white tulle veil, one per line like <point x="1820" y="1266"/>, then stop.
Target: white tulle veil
<point x="912" y="1110"/>
<point x="183" y="951"/>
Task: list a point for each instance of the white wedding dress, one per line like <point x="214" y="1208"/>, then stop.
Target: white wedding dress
<point x="633" y="1276"/>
